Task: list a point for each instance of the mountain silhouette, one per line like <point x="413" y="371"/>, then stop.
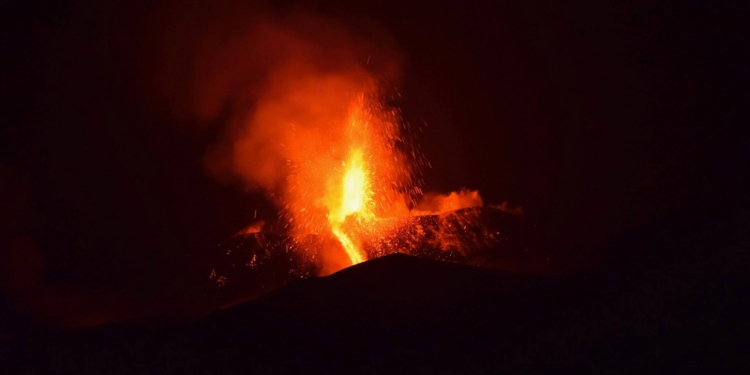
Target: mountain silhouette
<point x="658" y="302"/>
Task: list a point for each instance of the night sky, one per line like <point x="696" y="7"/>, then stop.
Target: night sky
<point x="595" y="117"/>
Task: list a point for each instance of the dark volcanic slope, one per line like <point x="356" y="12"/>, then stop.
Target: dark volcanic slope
<point x="660" y="302"/>
<point x="396" y="289"/>
<point x="256" y="263"/>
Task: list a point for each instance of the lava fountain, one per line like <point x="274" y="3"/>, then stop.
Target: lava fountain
<point x="366" y="185"/>
<point x="354" y="198"/>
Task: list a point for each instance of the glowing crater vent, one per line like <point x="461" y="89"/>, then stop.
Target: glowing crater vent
<point x="353" y="195"/>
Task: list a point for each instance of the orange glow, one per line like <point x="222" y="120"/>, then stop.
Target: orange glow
<point x="345" y="170"/>
<point x="349" y="174"/>
<point x="336" y="161"/>
<point x="351" y="190"/>
<point x="436" y="204"/>
<point x="352" y="195"/>
<point x="356" y="193"/>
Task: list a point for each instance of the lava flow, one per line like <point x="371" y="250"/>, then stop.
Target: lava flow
<point x="354" y="198"/>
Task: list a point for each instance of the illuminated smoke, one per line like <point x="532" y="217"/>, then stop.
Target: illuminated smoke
<point x="435" y="204"/>
<point x="306" y="121"/>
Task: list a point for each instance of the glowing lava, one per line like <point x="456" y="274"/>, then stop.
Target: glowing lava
<point x="351" y="193"/>
<point x="355" y="198"/>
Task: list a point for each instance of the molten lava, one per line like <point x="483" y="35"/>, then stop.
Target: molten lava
<point x="351" y="189"/>
<point x="355" y="197"/>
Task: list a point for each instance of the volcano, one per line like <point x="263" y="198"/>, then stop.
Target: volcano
<point x="651" y="306"/>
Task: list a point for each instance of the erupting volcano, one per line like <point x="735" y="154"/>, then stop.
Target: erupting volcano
<point x="319" y="132"/>
<point x="359" y="173"/>
<point x="349" y="188"/>
<point x="350" y="175"/>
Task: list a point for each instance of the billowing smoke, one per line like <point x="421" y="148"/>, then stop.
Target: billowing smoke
<point x="285" y="86"/>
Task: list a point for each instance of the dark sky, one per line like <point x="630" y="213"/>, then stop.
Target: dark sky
<point x="594" y="116"/>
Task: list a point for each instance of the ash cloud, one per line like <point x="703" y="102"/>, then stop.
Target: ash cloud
<point x="259" y="72"/>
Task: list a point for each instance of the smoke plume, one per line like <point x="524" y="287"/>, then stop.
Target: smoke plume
<point x="282" y="84"/>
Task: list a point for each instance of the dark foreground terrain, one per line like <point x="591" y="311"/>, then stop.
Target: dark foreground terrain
<point x="668" y="296"/>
